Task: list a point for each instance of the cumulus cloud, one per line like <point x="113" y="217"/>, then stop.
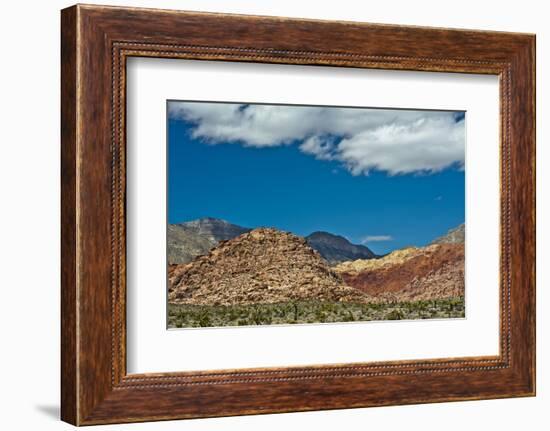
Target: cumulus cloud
<point x="376" y="238"/>
<point x="322" y="148"/>
<point x="361" y="140"/>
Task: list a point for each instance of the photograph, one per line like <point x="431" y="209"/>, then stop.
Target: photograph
<point x="279" y="211"/>
<point x="299" y="214"/>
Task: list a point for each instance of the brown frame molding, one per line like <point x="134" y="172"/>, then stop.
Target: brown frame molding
<point x="95" y="43"/>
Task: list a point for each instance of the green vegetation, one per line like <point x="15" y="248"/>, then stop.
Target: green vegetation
<point x="196" y="316"/>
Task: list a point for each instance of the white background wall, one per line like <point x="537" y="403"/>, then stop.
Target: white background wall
<point x="29" y="215"/>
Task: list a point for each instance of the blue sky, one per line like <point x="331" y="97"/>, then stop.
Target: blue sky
<point x="385" y="178"/>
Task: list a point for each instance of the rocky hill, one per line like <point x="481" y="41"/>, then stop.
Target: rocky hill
<point x="336" y="249"/>
<point x="264" y="265"/>
<point x="411" y="274"/>
<point x="196" y="238"/>
<point x="453" y="236"/>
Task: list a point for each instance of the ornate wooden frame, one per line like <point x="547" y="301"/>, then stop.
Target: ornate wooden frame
<point x="96" y="41"/>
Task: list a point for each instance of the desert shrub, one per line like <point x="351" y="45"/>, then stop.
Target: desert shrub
<point x="395" y="314"/>
<point x="204" y="319"/>
<point x="295" y="312"/>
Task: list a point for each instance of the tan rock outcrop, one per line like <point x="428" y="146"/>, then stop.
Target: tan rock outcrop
<point x="264" y="265"/>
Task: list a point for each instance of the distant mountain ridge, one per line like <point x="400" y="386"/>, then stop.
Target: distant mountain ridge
<point x="219" y="229"/>
<point x="195" y="238"/>
<point x="336" y="248"/>
<point x="453" y="236"/>
<point x="190" y="239"/>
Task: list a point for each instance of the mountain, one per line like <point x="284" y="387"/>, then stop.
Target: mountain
<point x="336" y="249"/>
<point x="453" y="236"/>
<point x="411" y="274"/>
<point x="195" y="238"/>
<point x="264" y="265"/>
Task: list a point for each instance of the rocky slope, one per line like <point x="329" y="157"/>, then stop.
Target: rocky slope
<point x="195" y="238"/>
<point x="453" y="236"/>
<point x="262" y="266"/>
<point x="432" y="272"/>
<point x="336" y="249"/>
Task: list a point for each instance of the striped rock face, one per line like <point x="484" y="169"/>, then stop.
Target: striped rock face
<point x="424" y="273"/>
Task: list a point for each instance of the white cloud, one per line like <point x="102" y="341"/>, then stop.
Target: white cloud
<point x="394" y="141"/>
<point x="321" y="147"/>
<point x="376" y="238"/>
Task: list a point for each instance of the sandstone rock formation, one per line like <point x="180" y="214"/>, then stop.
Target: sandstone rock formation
<point x="264" y="265"/>
<point x="425" y="273"/>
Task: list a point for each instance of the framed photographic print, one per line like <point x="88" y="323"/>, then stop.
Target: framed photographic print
<point x="264" y="214"/>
